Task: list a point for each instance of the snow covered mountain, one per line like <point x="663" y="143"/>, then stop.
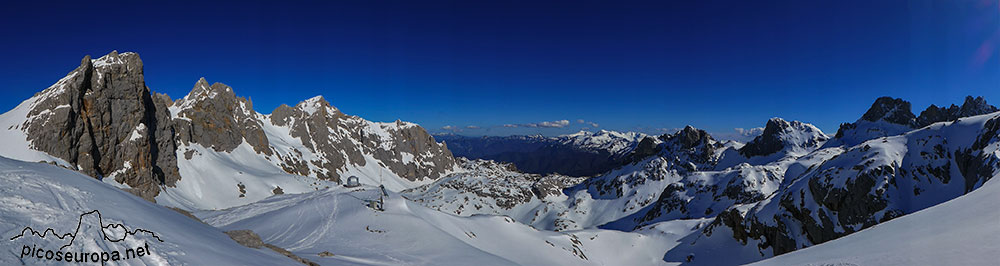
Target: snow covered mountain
<point x="209" y="149"/>
<point x="852" y="188"/>
<point x="583" y="153"/>
<point x="892" y="116"/>
<point x="956" y="232"/>
<point x="790" y="195"/>
<point x="649" y="188"/>
<point x="788" y="188"/>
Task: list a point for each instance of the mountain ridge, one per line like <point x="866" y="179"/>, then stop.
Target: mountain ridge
<point x="102" y="119"/>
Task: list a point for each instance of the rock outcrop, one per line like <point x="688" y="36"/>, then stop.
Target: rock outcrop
<point x="781" y="135"/>
<point x="971" y="107"/>
<point x="892" y="116"/>
<point x="338" y="139"/>
<point x="892" y="110"/>
<point x="212" y="115"/>
<point x="867" y="184"/>
<point x="103" y="119"/>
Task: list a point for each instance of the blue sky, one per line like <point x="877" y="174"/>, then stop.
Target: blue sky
<point x="530" y="65"/>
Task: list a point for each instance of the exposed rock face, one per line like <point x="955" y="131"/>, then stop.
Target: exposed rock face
<point x="102" y="118"/>
<point x="896" y="111"/>
<point x="780" y="134"/>
<point x="213" y="116"/>
<point x="687" y="150"/>
<point x="246" y="238"/>
<point x="647" y="147"/>
<point x="489" y="187"/>
<point x="697" y="144"/>
<point x="869" y="184"/>
<point x="971" y="107"/>
<point x="888" y="117"/>
<point x="689" y="137"/>
<point x="768" y="142"/>
<point x="338" y="139"/>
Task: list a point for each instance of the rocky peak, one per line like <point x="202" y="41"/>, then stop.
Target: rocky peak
<point x="887" y="117"/>
<point x="689" y="137"/>
<point x="971" y="107"/>
<point x="975" y="106"/>
<point x="344" y="140"/>
<point x="892" y="110"/>
<point x="691" y="145"/>
<point x="316" y="104"/>
<point x="779" y="135"/>
<point x="646" y="147"/>
<point x="934" y="114"/>
<point x="213" y="116"/>
<point x="216" y="93"/>
<point x="102" y="119"/>
<point x="128" y="60"/>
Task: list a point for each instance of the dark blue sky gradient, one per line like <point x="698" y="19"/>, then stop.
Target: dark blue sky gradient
<point x="717" y="65"/>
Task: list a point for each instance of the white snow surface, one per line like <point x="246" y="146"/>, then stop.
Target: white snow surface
<point x="336" y="220"/>
<point x="212" y="180"/>
<point x="43" y="196"/>
<point x="12" y="137"/>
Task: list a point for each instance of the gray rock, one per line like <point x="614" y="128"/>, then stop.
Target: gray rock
<point x="768" y="142"/>
<point x="897" y="111"/>
<point x="647" y="147"/>
<point x="697" y="145"/>
<point x="404" y="148"/>
<point x="892" y="110"/>
<point x="246" y="238"/>
<point x="971" y="107"/>
<point x="102" y="118"/>
<point x="212" y="115"/>
<point x="779" y="135"/>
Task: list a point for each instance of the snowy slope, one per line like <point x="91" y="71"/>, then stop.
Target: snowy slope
<point x="336" y="220"/>
<point x="962" y="231"/>
<point x="629" y="196"/>
<point x="487" y="187"/>
<point x="12" y="136"/>
<point x="624" y="195"/>
<point x="43" y="196"/>
<point x="216" y="180"/>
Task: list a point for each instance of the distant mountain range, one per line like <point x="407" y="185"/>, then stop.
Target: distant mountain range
<point x="790" y="187"/>
<point x="580" y="154"/>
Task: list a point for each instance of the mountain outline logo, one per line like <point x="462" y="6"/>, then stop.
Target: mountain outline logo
<point x="102" y="257"/>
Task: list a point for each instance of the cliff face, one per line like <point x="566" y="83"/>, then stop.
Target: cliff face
<point x="103" y="121"/>
<point x="892" y="116"/>
<point x="338" y="139"/>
